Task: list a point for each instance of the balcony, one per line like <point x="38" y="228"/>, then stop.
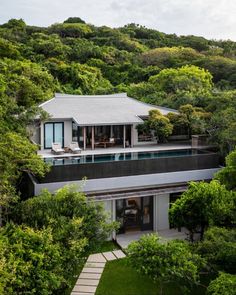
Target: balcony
<point x="114" y="165"/>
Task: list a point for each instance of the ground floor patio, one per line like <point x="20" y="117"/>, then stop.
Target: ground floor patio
<point x="123" y="240"/>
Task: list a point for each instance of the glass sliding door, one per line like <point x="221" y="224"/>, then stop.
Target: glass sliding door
<point x="135" y="214"/>
<point x="48" y="135"/>
<point x="58" y="133"/>
<point x="53" y="132"/>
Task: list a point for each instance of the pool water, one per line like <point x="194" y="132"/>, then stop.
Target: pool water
<point x="122" y="157"/>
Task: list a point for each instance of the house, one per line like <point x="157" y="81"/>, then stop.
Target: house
<point x="136" y="178"/>
<point x="94" y="119"/>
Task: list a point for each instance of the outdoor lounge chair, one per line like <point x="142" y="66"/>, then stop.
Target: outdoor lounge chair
<point x="57" y="149"/>
<point x="74" y="147"/>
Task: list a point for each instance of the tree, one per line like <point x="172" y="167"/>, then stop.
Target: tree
<point x="74" y="20"/>
<point x="31" y="260"/>
<point x="171" y="262"/>
<point x="219" y="249"/>
<point x="74" y="30"/>
<point x="160" y="124"/>
<point x="201" y="205"/>
<point x="190" y="120"/>
<point x="157" y="123"/>
<point x="227" y="175"/>
<point x="224" y="284"/>
<point x="78" y="225"/>
<point x="222" y="129"/>
<point x="167" y="57"/>
<point x="187" y="79"/>
<point x="17" y="155"/>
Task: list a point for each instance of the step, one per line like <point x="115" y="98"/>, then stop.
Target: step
<point x="86" y="289"/>
<point x="87" y="275"/>
<point x="96" y="258"/>
<point x="87" y="282"/>
<point x="95" y="264"/>
<point x="92" y="269"/>
<point x="109" y="256"/>
<point x="119" y="254"/>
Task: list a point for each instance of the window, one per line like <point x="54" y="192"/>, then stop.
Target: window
<point x="53" y="132"/>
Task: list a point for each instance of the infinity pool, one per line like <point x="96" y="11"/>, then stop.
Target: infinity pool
<point x="121" y="157"/>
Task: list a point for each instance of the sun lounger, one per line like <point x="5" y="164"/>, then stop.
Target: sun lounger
<point x="74" y="147"/>
<point x="57" y="149"/>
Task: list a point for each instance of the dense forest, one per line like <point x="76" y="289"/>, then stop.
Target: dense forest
<point x="192" y="74"/>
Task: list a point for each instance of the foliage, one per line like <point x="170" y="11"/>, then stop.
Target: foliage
<point x="187" y="80"/>
<point x="193" y="120"/>
<point x="227" y="175"/>
<point x="164" y="263"/>
<point x="225" y="284"/>
<point x="17" y="155"/>
<point x="157" y="123"/>
<point x="74" y="30"/>
<point x="167" y="57"/>
<point x="74" y="20"/>
<point x="27" y="83"/>
<point x="223" y="129"/>
<point x="219" y="249"/>
<point x="31" y="261"/>
<point x="77" y="225"/>
<point x="201" y="205"/>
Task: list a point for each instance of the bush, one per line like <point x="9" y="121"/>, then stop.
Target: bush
<point x="173" y="261"/>
<point x="219" y="248"/>
<point x="225" y="284"/>
<point x="31" y="261"/>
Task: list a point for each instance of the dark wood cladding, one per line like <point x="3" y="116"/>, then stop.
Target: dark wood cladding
<point x="130" y="167"/>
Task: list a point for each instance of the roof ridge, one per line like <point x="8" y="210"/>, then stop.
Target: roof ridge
<point x="63" y="95"/>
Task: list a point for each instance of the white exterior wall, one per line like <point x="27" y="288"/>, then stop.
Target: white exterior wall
<point x="108" y="206"/>
<point x="135" y="138"/>
<point x="160" y="212"/>
<point x="67" y="132"/>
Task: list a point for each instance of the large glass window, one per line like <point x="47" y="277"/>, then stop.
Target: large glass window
<point x="48" y="135"/>
<point x="53" y="132"/>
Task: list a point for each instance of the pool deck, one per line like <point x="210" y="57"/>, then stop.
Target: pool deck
<point x="114" y="150"/>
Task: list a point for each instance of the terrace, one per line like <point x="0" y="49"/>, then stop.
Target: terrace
<point x="115" y="150"/>
<point x="116" y="168"/>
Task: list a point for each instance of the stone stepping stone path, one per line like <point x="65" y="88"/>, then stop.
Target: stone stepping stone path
<point x="89" y="277"/>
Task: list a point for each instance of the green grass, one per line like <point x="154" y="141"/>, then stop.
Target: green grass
<point x="119" y="278"/>
<point x="105" y="247"/>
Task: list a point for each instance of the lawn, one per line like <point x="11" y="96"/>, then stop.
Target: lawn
<point x="119" y="278"/>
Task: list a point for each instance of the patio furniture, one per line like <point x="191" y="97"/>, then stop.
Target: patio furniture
<point x="74" y="147"/>
<point x="57" y="149"/>
<point x="111" y="142"/>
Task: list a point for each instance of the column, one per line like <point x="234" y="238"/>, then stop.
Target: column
<point x="124" y="135"/>
<point x="111" y="132"/>
<point x="162" y="209"/>
<point x="132" y="135"/>
<point x="85" y="137"/>
<point x="113" y="202"/>
<point x="92" y="137"/>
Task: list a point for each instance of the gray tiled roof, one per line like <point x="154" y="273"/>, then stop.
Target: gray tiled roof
<point x="99" y="109"/>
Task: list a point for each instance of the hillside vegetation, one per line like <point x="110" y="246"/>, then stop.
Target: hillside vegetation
<point x="45" y="240"/>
